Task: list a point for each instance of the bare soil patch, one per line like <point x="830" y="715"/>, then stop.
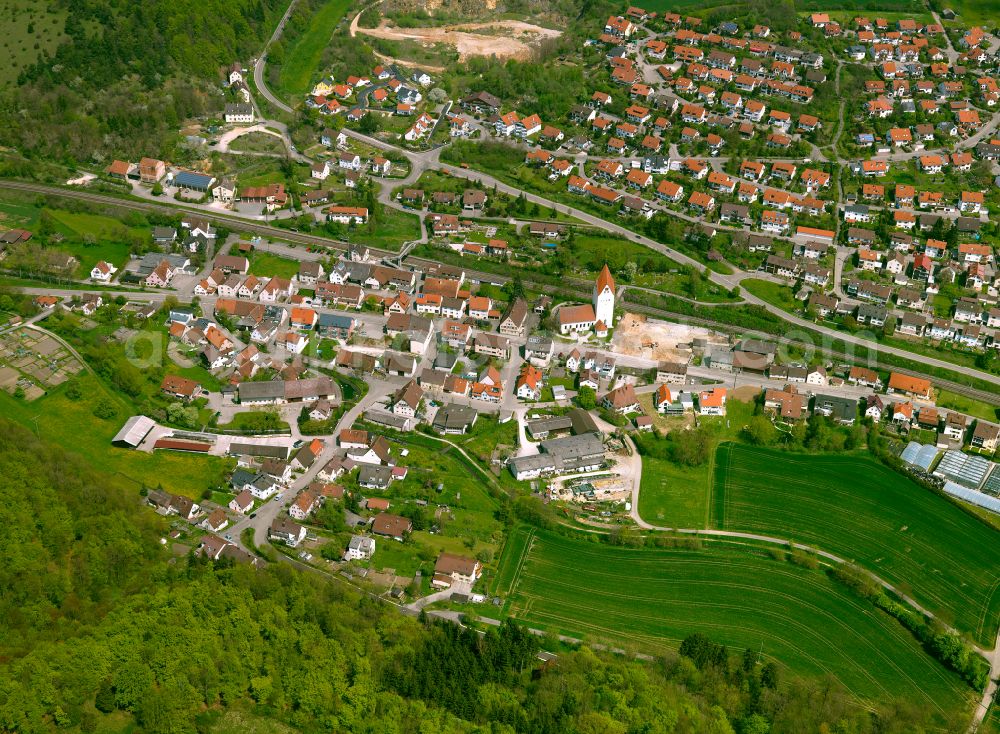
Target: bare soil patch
<point x="505" y="39"/>
<point x="637" y="336"/>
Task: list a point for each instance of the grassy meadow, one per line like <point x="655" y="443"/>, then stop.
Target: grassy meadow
<point x="303" y="57"/>
<point x="73" y="426"/>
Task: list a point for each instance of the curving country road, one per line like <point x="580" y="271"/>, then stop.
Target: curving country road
<point x="258" y="67"/>
<point x="426" y="160"/>
<point x="991" y="655"/>
<point x="726" y="281"/>
<point x="423" y="161"/>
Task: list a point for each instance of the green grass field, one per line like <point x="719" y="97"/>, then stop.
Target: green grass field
<point x="774" y="293"/>
<point x="991" y="724"/>
<point x="72" y="425"/>
<point x="866" y="513"/>
<point x="302" y="58"/>
<point x="29" y="29"/>
<point x="258" y="142"/>
<point x="678" y="496"/>
<point x="974" y="12"/>
<point x="673" y="495"/>
<point x="652" y="599"/>
<point x="680" y="6"/>
<point x="272" y="266"/>
<point x="978" y="408"/>
<point x="389" y="233"/>
<point x="247" y="418"/>
<point x="16" y="213"/>
<point x="109" y="238"/>
<point x="515" y="552"/>
<point x="485" y="436"/>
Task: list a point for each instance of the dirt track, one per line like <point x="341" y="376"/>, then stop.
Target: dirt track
<point x="514" y="41"/>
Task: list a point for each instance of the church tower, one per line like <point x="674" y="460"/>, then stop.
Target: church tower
<point x="604" y="298"/>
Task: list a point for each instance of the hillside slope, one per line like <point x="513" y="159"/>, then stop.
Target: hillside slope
<point x="126" y="73"/>
<point x="106" y="631"/>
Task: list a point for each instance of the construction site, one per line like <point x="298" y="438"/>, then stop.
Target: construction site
<point x="638" y="336"/>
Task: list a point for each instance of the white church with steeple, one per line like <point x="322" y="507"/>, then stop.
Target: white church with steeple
<point x="604" y="299"/>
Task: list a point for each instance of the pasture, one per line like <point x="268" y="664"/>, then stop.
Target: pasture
<point x="263" y="264"/>
<point x="973" y="12"/>
<point x="676" y="496"/>
<point x="303" y="57"/>
<point x="60" y="418"/>
<point x="30" y="29"/>
<point x="673" y="495"/>
<point x="89" y="237"/>
<point x="737" y="595"/>
<point x="94" y="237"/>
<point x="862" y="511"/>
<point x="389" y="232"/>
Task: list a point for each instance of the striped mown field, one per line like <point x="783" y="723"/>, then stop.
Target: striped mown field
<point x="738" y="595"/>
<point x="858" y="509"/>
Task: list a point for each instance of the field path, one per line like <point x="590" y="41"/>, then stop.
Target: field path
<point x="830" y="557"/>
<point x="992" y="655"/>
<point x="653" y="598"/>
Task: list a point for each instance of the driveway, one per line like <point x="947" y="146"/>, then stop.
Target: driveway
<point x="457" y="587"/>
<point x="525" y="446"/>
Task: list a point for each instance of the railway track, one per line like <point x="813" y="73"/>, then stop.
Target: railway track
<point x="965" y="390"/>
<point x="235" y="223"/>
<point x="579" y="289"/>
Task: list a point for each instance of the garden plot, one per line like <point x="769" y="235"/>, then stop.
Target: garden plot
<point x="34" y="362"/>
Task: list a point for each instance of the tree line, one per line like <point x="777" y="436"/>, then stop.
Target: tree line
<point x="103" y="624"/>
<point x="127" y="74"/>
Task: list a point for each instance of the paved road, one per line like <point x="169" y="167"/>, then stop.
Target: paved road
<point x="258" y="68"/>
<point x="265" y="230"/>
<point x="422" y="161"/>
<point x="727" y="281"/>
<point x="273" y="508"/>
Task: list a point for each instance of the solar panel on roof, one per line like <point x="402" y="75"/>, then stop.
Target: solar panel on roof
<point x="187" y="179"/>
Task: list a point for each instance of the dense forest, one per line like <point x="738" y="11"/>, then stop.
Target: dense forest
<point x="106" y="631"/>
<point x="128" y="74"/>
